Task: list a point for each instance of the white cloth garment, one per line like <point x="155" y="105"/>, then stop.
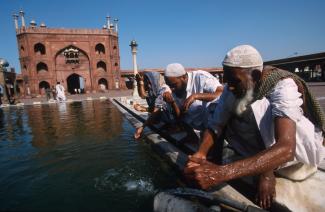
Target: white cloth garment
<point x="60" y="95"/>
<point x="198" y="82"/>
<point x="284" y="101"/>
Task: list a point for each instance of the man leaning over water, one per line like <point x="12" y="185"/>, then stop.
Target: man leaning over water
<point x="191" y="94"/>
<point x="271" y="120"/>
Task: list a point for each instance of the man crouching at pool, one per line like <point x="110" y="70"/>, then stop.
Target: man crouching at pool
<point x="270" y="119"/>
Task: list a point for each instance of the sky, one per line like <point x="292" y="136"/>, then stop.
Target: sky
<point x="195" y="33"/>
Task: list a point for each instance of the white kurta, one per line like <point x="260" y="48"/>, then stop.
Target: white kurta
<point x="284" y="101"/>
<point x="198" y="82"/>
<point x="60" y="95"/>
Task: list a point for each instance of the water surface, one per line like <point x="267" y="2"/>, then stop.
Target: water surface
<point x="76" y="157"/>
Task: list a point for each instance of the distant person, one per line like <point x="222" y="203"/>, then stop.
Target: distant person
<point x="53" y="90"/>
<point x="60" y="94"/>
<point x="48" y="92"/>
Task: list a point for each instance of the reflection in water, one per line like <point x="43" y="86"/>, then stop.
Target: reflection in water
<point x="77" y="156"/>
<point x="78" y="121"/>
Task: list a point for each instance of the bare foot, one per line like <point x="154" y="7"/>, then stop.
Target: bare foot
<point x="140" y="108"/>
<point x="266" y="190"/>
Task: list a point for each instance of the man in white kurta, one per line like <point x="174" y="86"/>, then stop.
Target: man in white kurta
<point x="192" y="92"/>
<point x="268" y="133"/>
<point x="60" y="95"/>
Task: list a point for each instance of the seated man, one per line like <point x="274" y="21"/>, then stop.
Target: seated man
<point x="191" y="94"/>
<point x="271" y="120"/>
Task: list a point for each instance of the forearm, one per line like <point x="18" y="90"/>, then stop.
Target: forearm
<point x="176" y="109"/>
<point x="141" y="90"/>
<point x="207" y="97"/>
<point x="207" y="142"/>
<point x="261" y="163"/>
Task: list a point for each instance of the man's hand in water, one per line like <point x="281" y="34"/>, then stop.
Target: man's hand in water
<point x="266" y="190"/>
<point x="138" y="132"/>
<point x="205" y="175"/>
<point x="187" y="103"/>
<point x="168" y="97"/>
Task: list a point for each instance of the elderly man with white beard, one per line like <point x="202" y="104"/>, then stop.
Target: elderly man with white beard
<point x="270" y="119"/>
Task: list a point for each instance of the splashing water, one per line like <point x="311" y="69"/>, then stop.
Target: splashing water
<point x="124" y="179"/>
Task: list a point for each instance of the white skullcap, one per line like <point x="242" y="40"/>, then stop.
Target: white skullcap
<point x="174" y="70"/>
<point x="243" y="56"/>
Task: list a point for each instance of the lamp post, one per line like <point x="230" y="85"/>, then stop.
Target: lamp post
<point x="134" y="45"/>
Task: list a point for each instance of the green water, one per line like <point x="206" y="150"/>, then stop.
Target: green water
<point x="76" y="157"/>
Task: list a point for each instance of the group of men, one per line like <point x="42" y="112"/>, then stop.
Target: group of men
<point x="267" y="115"/>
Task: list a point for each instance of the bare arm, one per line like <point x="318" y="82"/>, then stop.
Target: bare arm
<point x="140" y="83"/>
<point x="209" y="174"/>
<point x="206" y="97"/>
<point x="170" y="100"/>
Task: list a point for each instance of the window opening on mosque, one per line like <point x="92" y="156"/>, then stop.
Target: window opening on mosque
<point x="71" y="55"/>
<point x="39" y="49"/>
<point x="100" y="49"/>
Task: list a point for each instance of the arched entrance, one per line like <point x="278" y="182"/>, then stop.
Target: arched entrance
<point x="103" y="85"/>
<point x="76" y="84"/>
<point x="43" y="86"/>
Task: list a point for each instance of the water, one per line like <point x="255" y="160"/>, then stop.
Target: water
<point x="76" y="157"/>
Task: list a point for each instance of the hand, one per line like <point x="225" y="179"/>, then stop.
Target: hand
<point x="138" y="77"/>
<point x="266" y="190"/>
<point x="168" y="97"/>
<point x="198" y="155"/>
<point x="187" y="103"/>
<point x="138" y="132"/>
<point x="205" y="175"/>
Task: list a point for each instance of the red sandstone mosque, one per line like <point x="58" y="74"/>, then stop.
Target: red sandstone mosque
<point x="82" y="60"/>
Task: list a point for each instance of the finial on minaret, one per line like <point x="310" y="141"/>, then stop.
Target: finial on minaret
<point x="16" y="20"/>
<point x="42" y="25"/>
<point x="108" y="24"/>
<point x="115" y="21"/>
<point x="21" y="13"/>
<point x="33" y="23"/>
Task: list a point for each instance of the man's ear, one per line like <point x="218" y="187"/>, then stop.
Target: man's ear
<point x="256" y="75"/>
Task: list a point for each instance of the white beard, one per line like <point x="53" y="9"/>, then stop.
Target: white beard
<point x="241" y="104"/>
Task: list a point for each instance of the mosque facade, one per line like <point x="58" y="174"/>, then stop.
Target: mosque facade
<point x="82" y="60"/>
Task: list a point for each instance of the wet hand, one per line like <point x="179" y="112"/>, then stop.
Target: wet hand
<point x="205" y="175"/>
<point x="168" y="97"/>
<point x="266" y="190"/>
<point x="187" y="103"/>
<point x="138" y="132"/>
<point x="198" y="155"/>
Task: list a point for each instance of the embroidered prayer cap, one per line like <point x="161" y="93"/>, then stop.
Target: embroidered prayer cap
<point x="174" y="70"/>
<point x="243" y="56"/>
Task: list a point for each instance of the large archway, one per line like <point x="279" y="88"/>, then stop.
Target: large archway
<point x="76" y="84"/>
<point x="43" y="86"/>
<point x="103" y="85"/>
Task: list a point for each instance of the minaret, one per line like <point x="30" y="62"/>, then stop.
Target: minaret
<point x="16" y="20"/>
<point x="115" y="21"/>
<point x="21" y="13"/>
<point x="135" y="68"/>
<point x="108" y="24"/>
